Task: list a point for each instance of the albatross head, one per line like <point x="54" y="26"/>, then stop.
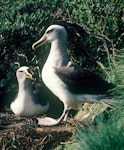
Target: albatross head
<point x="53" y="33"/>
<point x="22" y="74"/>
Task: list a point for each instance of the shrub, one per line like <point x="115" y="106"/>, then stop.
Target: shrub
<point x="94" y="27"/>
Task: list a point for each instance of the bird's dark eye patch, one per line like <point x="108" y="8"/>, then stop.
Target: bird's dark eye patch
<point x="49" y="31"/>
<point x="21" y="71"/>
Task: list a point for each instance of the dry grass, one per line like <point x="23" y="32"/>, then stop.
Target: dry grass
<point x="24" y="133"/>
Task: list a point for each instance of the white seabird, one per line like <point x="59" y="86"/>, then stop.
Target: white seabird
<point x="27" y="102"/>
<point x="71" y="84"/>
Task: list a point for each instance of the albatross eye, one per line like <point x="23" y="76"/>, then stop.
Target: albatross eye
<point x="49" y="31"/>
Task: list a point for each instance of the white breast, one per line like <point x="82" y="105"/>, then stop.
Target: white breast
<point x="60" y="89"/>
<point x="24" y="106"/>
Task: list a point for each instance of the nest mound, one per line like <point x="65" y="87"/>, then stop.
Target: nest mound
<point x="24" y="133"/>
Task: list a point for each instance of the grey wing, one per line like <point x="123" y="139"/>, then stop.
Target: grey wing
<point x="80" y="80"/>
<point x="38" y="95"/>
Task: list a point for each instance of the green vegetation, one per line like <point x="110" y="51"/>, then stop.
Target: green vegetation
<point x="96" y="35"/>
<point x="105" y="135"/>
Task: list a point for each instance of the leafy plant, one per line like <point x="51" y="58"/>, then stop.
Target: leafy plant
<point x="95" y="40"/>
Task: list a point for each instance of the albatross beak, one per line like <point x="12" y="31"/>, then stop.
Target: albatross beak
<point x="28" y="75"/>
<point x="40" y="42"/>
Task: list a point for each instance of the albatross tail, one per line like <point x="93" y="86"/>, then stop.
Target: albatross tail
<point x="109" y="102"/>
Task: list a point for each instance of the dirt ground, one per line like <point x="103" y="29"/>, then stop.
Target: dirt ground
<point x="17" y="133"/>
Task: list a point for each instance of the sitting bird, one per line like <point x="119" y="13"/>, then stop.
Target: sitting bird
<point x="72" y="84"/>
<point x="27" y="102"/>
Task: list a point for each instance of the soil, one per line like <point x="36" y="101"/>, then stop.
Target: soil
<point x="18" y="133"/>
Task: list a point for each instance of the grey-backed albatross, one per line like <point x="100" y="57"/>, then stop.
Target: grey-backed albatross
<point x="70" y="83"/>
<point x="27" y="103"/>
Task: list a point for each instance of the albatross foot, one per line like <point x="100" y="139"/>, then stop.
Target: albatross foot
<point x="47" y="121"/>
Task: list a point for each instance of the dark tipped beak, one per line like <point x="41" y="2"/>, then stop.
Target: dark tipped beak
<point x="29" y="76"/>
<point x="40" y="42"/>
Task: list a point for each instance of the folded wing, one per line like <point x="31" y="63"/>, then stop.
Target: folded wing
<point x="82" y="81"/>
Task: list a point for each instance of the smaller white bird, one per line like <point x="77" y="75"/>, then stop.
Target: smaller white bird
<point x="27" y="102"/>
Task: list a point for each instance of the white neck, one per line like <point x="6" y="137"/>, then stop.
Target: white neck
<point x="58" y="55"/>
<point x="24" y="88"/>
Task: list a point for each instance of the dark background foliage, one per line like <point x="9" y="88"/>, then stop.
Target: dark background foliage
<point x="95" y="32"/>
<point x="95" y="41"/>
